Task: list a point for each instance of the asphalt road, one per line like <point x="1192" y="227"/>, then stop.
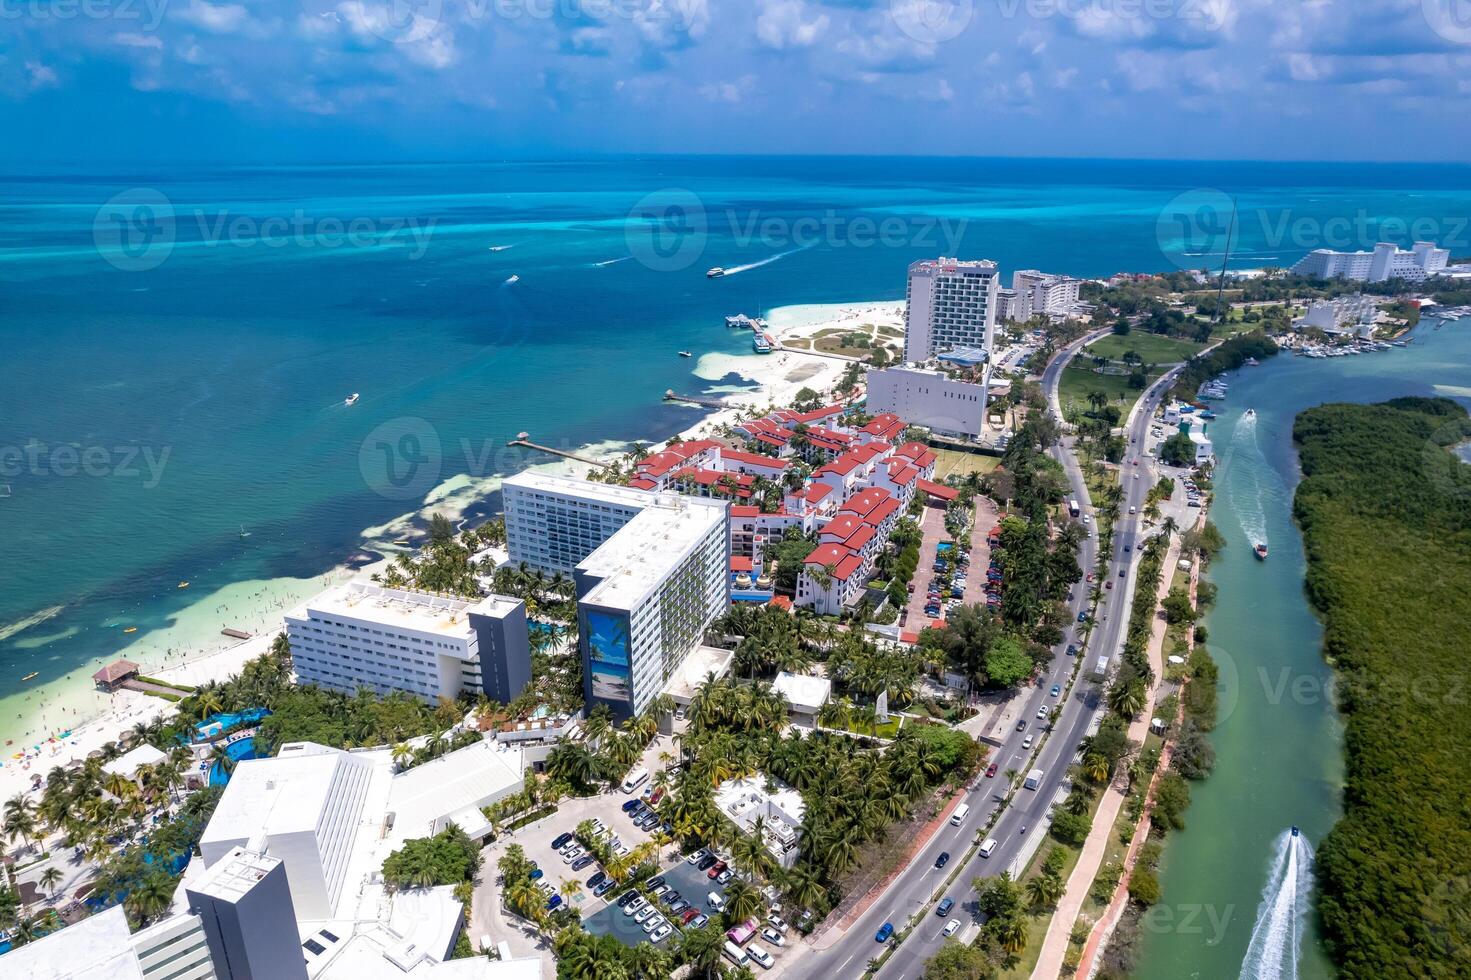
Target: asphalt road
<point x="916" y="888"/>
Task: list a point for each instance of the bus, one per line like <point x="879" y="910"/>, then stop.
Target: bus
<point x="1072" y="508"/>
<point x="635" y="779"/>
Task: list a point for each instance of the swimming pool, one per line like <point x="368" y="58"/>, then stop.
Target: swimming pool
<point x="243" y="749"/>
<point x="216" y="725"/>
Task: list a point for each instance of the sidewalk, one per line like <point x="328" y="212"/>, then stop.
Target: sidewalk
<point x="1055" y="944"/>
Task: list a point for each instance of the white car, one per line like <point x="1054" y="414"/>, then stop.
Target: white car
<point x="776" y="923"/>
<point x="654" y="922"/>
<point x="1027" y="742"/>
<point x="761" y="956"/>
<point x="1042" y="711"/>
<point x="620" y="849"/>
<point x="697" y="856"/>
<point x="772" y="936"/>
<point x="634" y="906"/>
<point x="951" y="928"/>
<point x="643" y="914"/>
<point x="572" y="855"/>
<point x="660" y="934"/>
<point x="716" y="901"/>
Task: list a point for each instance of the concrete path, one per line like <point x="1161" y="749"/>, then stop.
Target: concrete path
<point x="1055" y="944"/>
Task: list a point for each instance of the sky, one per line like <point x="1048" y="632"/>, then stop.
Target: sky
<point x="93" y="82"/>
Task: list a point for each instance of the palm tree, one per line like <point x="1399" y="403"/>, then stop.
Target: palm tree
<point x="1013" y="935"/>
<point x="207" y="702"/>
<point x="50" y="879"/>
<point x="1126" y="699"/>
<point x="152" y="896"/>
<point x="1096" y="767"/>
<point x="1044" y="890"/>
<point x="701" y="949"/>
<point x="403" y="753"/>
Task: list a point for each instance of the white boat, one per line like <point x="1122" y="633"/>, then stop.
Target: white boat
<point x="685" y="353"/>
<point x="715" y="273"/>
<point x="351" y="399"/>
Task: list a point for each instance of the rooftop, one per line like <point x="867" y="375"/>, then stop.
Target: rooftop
<point x="608" y="493"/>
<point x="97" y="948"/>
<point x="804" y="692"/>
<point x="453" y="782"/>
<point x="233" y="875"/>
<point x="408" y="609"/>
<point x="286" y="794"/>
<point x="634" y="561"/>
<point x="693" y="670"/>
<point x="128" y="763"/>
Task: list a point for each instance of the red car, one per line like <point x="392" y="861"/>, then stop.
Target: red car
<point x="656" y="797"/>
<point x="1090" y="576"/>
<point x="991" y="770"/>
<point x="687" y="915"/>
<point x="715" y="869"/>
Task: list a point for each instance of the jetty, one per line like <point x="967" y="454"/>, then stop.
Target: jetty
<point x="233" y="633"/>
<point x="670" y="395"/>
<point x="523" y="440"/>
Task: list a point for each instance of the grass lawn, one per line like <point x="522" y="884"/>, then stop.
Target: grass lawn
<point x="1153" y="348"/>
<point x="952" y="461"/>
<point x="1077" y="382"/>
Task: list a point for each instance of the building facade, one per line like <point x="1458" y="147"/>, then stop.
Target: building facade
<point x="950" y="304"/>
<point x="244" y="906"/>
<point x="1049" y="294"/>
<point x="1013" y="305"/>
<point x="1387" y="261"/>
<point x="928" y="398"/>
<point x="553" y="523"/>
<point x="364" y="635"/>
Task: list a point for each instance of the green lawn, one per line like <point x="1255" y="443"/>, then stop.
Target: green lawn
<point x="963" y="464"/>
<point x="1153" y="348"/>
<point x="1077" y="382"/>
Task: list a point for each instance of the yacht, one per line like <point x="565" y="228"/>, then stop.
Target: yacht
<point x="715" y="273"/>
<point x="351" y="399"/>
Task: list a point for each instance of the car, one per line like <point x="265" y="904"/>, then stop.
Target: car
<point x="951" y="928"/>
<point x="707" y="861"/>
<point x="546" y="887"/>
<point x="699" y="921"/>
<point x="629" y="806"/>
<point x="1042" y="712"/>
<point x="667" y="827"/>
<point x="598" y="826"/>
<point x="658" y="890"/>
<point x="776" y="923"/>
<point x="1027" y="742"/>
<point x="715" y="870"/>
<point x="567" y="847"/>
<point x="654" y="922"/>
<point x="656" y="796"/>
<point x="724" y="876"/>
<point x="1123" y="572"/>
<point x="772" y="936"/>
<point x="602" y="887"/>
<point x="1128" y="548"/>
<point x="1072" y="650"/>
<point x="885" y="933"/>
<point x="536" y="874"/>
<point x="582" y="862"/>
<point x="1082" y="617"/>
<point x="1021" y="726"/>
<point x="943" y="859"/>
<point x="572" y="854"/>
<point x="1090" y="577"/>
<point x="697" y="856"/>
<point x="760" y="956"/>
<point x="620" y="849"/>
<point x="660" y="934"/>
<point x="688" y="915"/>
<point x="1108" y="585"/>
<point x="553" y="902"/>
<point x="597" y="879"/>
<point x="626" y="899"/>
<point x="678" y="906"/>
<point x="672" y="896"/>
<point x="1056" y="690"/>
<point x="639" y="902"/>
<point x="655" y="882"/>
<point x="943" y="909"/>
<point x="716" y="901"/>
<point x="649" y="822"/>
<point x="560" y="841"/>
<point x="643" y="914"/>
<point x="991" y="770"/>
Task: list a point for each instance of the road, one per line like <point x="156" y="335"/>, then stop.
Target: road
<point x="916" y="888"/>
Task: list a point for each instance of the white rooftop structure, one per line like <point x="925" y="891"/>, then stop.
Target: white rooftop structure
<point x="637" y="560"/>
<point x="746" y="800"/>
<point x="128" y="763"/>
<point x="424" y="612"/>
<point x="97" y="948"/>
<point x="453" y="788"/>
<point x="806" y="693"/>
<point x="693" y="671"/>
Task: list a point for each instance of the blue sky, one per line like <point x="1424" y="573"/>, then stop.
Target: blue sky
<point x="98" y="81"/>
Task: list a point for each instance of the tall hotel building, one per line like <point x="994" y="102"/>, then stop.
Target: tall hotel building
<point x="652" y="572"/>
<point x="950" y="304"/>
<point x="365" y="635"/>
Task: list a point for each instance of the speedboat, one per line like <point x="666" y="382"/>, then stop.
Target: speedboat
<point x="1261" y="552"/>
<point x="1250" y="413"/>
<point x="351" y="399"/>
<point x="183" y="585"/>
<point x="1295" y="832"/>
<point x="685" y="353"/>
<point x="715" y="273"/>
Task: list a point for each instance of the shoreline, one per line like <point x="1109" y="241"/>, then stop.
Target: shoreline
<point x="192" y="650"/>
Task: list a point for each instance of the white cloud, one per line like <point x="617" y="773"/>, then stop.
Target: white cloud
<point x="39" y="75"/>
<point x="229" y="18"/>
<point x="130" y="40"/>
<point x="730" y="92"/>
<point x="784" y="24"/>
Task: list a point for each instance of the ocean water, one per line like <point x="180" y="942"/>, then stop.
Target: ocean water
<point x="178" y="344"/>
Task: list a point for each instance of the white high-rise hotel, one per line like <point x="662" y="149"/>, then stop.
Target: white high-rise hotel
<point x="951" y="304"/>
<point x="652" y="571"/>
<point x="1387" y="261"/>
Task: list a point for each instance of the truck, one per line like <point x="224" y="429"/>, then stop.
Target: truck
<point x="1073" y="508"/>
<point x="1033" y="780"/>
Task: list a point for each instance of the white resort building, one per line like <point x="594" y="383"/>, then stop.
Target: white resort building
<point x="747" y="800"/>
<point x="365" y="635"/>
<point x="1051" y="294"/>
<point x="1387" y="261"/>
<point x="951" y="303"/>
<point x="930" y="399"/>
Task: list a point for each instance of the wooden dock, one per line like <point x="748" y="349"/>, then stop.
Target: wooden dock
<point x="526" y="443"/>
<point x="673" y="396"/>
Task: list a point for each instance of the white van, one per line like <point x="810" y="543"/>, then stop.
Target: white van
<point x="716" y="901"/>
<point x="635" y="779"/>
<point x="988" y="847"/>
<point x="735" y="954"/>
<point x="958" y="817"/>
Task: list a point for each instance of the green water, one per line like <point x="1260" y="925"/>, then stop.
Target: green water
<point x="1279" y="740"/>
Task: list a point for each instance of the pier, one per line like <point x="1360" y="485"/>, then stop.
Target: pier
<point x="524" y="441"/>
<point x="673" y="396"/>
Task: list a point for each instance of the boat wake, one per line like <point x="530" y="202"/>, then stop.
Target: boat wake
<point x="607" y="262"/>
<point x="766" y="261"/>
<point x="1248" y="490"/>
<point x="1276" y="937"/>
<point x="511" y="281"/>
<point x="499" y="248"/>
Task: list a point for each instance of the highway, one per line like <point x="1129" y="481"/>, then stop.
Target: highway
<point x="916" y="889"/>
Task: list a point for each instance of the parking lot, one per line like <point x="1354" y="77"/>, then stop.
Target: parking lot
<point x="685" y="883"/>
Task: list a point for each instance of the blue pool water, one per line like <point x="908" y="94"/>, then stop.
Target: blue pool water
<point x="221" y="723"/>
<point x="243" y="749"/>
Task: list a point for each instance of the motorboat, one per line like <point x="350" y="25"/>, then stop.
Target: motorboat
<point x="1261" y="552"/>
<point x="351" y="399"/>
<point x="715" y="273"/>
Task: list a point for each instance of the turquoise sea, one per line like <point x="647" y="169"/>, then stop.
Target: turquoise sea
<point x="178" y="344"/>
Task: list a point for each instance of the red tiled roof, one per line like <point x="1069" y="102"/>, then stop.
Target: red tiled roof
<point x="842" y="466"/>
<point x="827" y="554"/>
<point x="938" y="490"/>
<point x="842" y="526"/>
<point x="642" y="483"/>
<point x="672" y="455"/>
<point x="773" y="440"/>
<point x="817" y="491"/>
<point x="868" y="451"/>
<point x="908" y="636"/>
<point x="902" y="473"/>
<point x="861" y="537"/>
<point x="740" y="563"/>
<point x="847" y="567"/>
<point x="866" y="500"/>
<point x="818" y="414"/>
<point x="753" y="459"/>
<point x="745" y="511"/>
<point x="882" y="512"/>
<point x="780" y="602"/>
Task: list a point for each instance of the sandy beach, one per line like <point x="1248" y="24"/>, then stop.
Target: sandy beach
<point x="66" y="719"/>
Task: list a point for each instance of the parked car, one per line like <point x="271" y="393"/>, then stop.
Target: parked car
<point x="629" y="806"/>
<point x="658" y="890"/>
<point x="772" y="936"/>
<point x="716" y="901"/>
<point x="582" y="862"/>
<point x="597" y="879"/>
<point x="553" y="902"/>
<point x="885" y="933"/>
<point x="655" y="882"/>
<point x="724" y="876"/>
<point x="635" y="906"/>
<point x="626" y="899"/>
<point x="943" y="909"/>
<point x="643" y="914"/>
<point x="699" y="921"/>
<point x="572" y="854"/>
<point x="715" y="869"/>
<point x="602" y="887"/>
<point x="560" y="841"/>
<point x="943" y="859"/>
<point x="672" y="896"/>
<point x="776" y="923"/>
<point x="536" y="874"/>
<point x="678" y="906"/>
<point x="761" y="956"/>
<point x="688" y="914"/>
<point x="707" y="861"/>
<point x="697" y="856"/>
<point x="660" y="934"/>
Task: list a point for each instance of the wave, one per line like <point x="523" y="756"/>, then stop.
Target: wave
<point x="34" y="619"/>
<point x="766" y="261"/>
